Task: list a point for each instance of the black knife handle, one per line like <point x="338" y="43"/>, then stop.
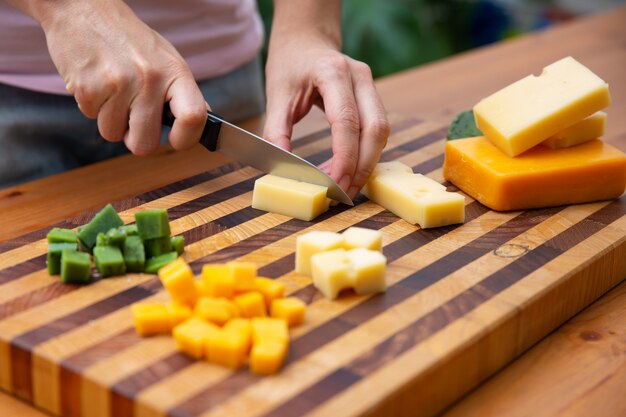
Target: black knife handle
<point x="211" y="128"/>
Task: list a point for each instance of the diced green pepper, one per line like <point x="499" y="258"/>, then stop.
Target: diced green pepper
<point x="178" y="244"/>
<point x="102" y="240"/>
<point x="158" y="246"/>
<point x="58" y="235"/>
<point x="105" y="219"/>
<point x="117" y="237"/>
<point x="54" y="255"/>
<point x="75" y="266"/>
<point x="154" y="264"/>
<point x="109" y="260"/>
<point x="134" y="255"/>
<point x="152" y="224"/>
<point x="130" y="229"/>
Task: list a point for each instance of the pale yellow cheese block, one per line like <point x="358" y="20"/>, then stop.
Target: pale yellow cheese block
<point x="414" y="197"/>
<point x="534" y="108"/>
<point x="360" y="269"/>
<point x="289" y="197"/>
<point x="587" y="129"/>
<point x="314" y="242"/>
<point x="360" y="237"/>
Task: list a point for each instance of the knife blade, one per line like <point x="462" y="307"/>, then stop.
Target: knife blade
<point x="243" y="146"/>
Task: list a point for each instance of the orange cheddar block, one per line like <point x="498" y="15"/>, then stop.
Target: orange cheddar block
<point x="177" y="313"/>
<point x="266" y="328"/>
<point x="215" y="310"/>
<point x="291" y="309"/>
<point x="218" y="280"/>
<point x="589" y="128"/>
<point x="267" y="357"/>
<point x="271" y="289"/>
<point x="534" y="108"/>
<point x="178" y="280"/>
<point x="151" y="318"/>
<point x="192" y="334"/>
<point x="244" y="274"/>
<point x="251" y="304"/>
<point x="227" y="348"/>
<point x="540" y="177"/>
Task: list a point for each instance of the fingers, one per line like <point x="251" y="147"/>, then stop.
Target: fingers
<point x="335" y="87"/>
<point x="189" y="109"/>
<point x="278" y="120"/>
<point x="374" y="125"/>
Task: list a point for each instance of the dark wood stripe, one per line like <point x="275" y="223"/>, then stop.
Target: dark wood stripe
<point x="413" y="145"/>
<point x="450" y="311"/>
<point x="377" y="304"/>
<point x="220" y="224"/>
<point x="34" y="298"/>
<point x="21" y="269"/>
<point x="22" y="345"/>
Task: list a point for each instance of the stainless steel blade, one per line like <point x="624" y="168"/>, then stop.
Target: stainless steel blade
<point x="263" y="155"/>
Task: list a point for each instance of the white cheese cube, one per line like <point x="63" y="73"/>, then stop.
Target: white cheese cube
<point x="332" y="272"/>
<point x="360" y="237"/>
<point x="314" y="242"/>
<point x="368" y="271"/>
<point x="289" y="197"/>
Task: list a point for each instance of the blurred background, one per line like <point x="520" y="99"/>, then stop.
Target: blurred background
<point x="392" y="35"/>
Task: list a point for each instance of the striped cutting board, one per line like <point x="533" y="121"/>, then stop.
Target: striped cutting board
<point x="462" y="301"/>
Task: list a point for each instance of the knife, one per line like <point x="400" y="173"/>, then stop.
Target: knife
<point x="243" y="146"/>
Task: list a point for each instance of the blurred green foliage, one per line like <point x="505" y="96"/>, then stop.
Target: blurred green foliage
<point x="392" y="35"/>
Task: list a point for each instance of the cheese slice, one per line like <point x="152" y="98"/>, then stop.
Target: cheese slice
<point x="289" y="197"/>
<point x="589" y="128"/>
<point x="414" y="197"/>
<point x="534" y="108"/>
<point x="540" y="177"/>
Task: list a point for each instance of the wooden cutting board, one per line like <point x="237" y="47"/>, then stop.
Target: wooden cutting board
<point x="462" y="301"/>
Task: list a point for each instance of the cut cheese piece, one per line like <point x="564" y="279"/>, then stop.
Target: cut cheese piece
<point x="289" y="197"/>
<point x="541" y="177"/>
<point x="414" y="197"/>
<point x="360" y="237"/>
<point x="360" y="269"/>
<point x="590" y="128"/>
<point x="311" y="243"/>
<point x="534" y="108"/>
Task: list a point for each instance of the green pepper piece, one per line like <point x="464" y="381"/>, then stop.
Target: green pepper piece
<point x="178" y="244"/>
<point x="102" y="240"/>
<point x="158" y="246"/>
<point x="152" y="224"/>
<point x="109" y="260"/>
<point x="463" y="126"/>
<point x="130" y="229"/>
<point x="58" y="235"/>
<point x="154" y="264"/>
<point x="117" y="237"/>
<point x="54" y="255"/>
<point x="134" y="255"/>
<point x="75" y="266"/>
<point x="103" y="221"/>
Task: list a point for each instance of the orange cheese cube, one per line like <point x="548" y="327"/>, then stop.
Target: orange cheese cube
<point x="218" y="280"/>
<point x="244" y="274"/>
<point x="151" y="318"/>
<point x="291" y="309"/>
<point x="215" y="310"/>
<point x="589" y="128"/>
<point x="271" y="289"/>
<point x="178" y="280"/>
<point x="267" y="357"/>
<point x="265" y="328"/>
<point x="177" y="313"/>
<point x="241" y="326"/>
<point x="227" y="348"/>
<point x="251" y="304"/>
<point x="534" y="108"/>
<point x="540" y="177"/>
<point x="192" y="334"/>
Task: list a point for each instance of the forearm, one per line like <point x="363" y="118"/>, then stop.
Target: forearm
<point x="320" y="19"/>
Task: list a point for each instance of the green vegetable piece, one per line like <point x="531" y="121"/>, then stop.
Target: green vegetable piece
<point x="58" y="235"/>
<point x="152" y="224"/>
<point x="463" y="126"/>
<point x="178" y="244"/>
<point x="154" y="264"/>
<point x="158" y="246"/>
<point x="130" y="229"/>
<point x="109" y="260"/>
<point x="117" y="237"/>
<point x="105" y="219"/>
<point x="54" y="255"/>
<point x="102" y="240"/>
<point x="134" y="255"/>
<point x="75" y="266"/>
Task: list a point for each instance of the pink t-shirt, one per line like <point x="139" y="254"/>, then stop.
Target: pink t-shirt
<point x="214" y="36"/>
